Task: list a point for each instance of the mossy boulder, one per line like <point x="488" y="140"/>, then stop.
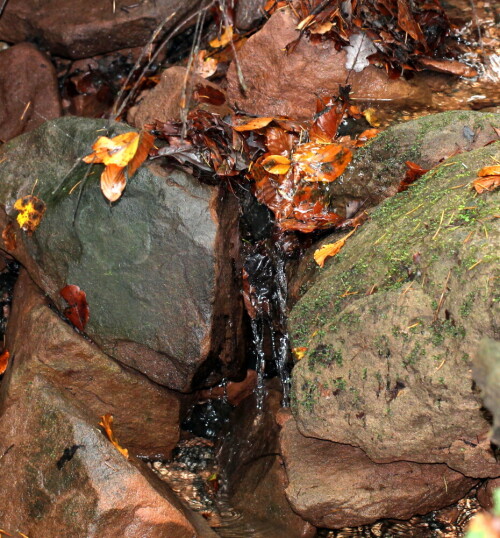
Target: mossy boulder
<point x="391" y="324"/>
<point x="159" y="267"/>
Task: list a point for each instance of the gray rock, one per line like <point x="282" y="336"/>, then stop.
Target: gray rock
<point x="160" y="267"/>
<point x="392" y="322"/>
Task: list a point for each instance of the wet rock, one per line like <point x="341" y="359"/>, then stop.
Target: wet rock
<point x="249" y="13"/>
<point x="42" y="343"/>
<point x="486" y="371"/>
<point x="254" y="470"/>
<point x="392" y="322"/>
<point x="485" y="493"/>
<point x="160" y="267"/>
<point x="28" y="90"/>
<point x="281" y="83"/>
<point x="335" y="485"/>
<point x="77" y="29"/>
<point x="59" y="475"/>
<point x="163" y="102"/>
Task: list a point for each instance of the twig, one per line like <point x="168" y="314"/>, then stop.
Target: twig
<point x="2" y="7"/>
<point x="441" y="299"/>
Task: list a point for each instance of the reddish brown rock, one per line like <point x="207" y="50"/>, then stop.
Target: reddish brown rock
<point x="485" y="493"/>
<point x="60" y="476"/>
<point x="146" y="416"/>
<point x="333" y="485"/>
<point x="163" y="102"/>
<point x="287" y="84"/>
<point x="28" y="90"/>
<point x="248" y="13"/>
<point x="80" y="29"/>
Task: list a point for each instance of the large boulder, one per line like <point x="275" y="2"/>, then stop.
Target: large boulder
<point x="160" y="267"/>
<point x="390" y="326"/>
<point x="282" y="83"/>
<point x="40" y="342"/>
<point x="335" y="485"/>
<point x="28" y="90"/>
<point x="60" y="477"/>
<point x="79" y="29"/>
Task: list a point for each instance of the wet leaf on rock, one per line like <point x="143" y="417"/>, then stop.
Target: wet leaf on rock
<point x="4" y="361"/>
<point x="107" y="425"/>
<point x="9" y="237"/>
<point x="276" y="164"/>
<point x="78" y="310"/>
<point x="413" y="172"/>
<point x="488" y="180"/>
<point x="331" y="249"/>
<point x="31" y="210"/>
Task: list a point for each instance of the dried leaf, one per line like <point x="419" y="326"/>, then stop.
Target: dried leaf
<point x="224" y="39"/>
<point x="209" y="94"/>
<point x="78" y="310"/>
<point x="113" y="182"/>
<point x="146" y="141"/>
<point x="331" y="249"/>
<point x="276" y="164"/>
<point x="31" y="210"/>
<point x="486" y="183"/>
<point x="452" y="67"/>
<point x="118" y="150"/>
<point x="253" y="124"/>
<point x="489" y="171"/>
<point x="205" y="67"/>
<point x="413" y="172"/>
<point x="407" y="22"/>
<point x="299" y="352"/>
<point x="4" y="361"/>
<point x="9" y="237"/>
<point x="107" y="424"/>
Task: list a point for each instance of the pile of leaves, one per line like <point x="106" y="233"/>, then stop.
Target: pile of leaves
<point x="398" y="34"/>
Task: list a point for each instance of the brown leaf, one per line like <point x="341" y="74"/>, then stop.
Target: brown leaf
<point x="107" y="425"/>
<point x="146" y="141"/>
<point x="4" y="361"/>
<point x="279" y="141"/>
<point x="276" y="164"/>
<point x="31" y="210"/>
<point x="453" y="67"/>
<point x="331" y="249"/>
<point x="113" y="182"/>
<point x="413" y="172"/>
<point x="407" y="22"/>
<point x="9" y="237"/>
<point x="209" y="94"/>
<point x="253" y="124"/>
<point x="78" y="310"/>
<point x="486" y="183"/>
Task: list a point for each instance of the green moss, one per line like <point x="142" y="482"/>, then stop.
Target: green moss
<point x="416" y="353"/>
<point x="466" y="307"/>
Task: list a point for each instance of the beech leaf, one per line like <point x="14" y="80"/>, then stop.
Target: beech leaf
<point x="107" y="425"/>
<point x="486" y="183"/>
<point x="253" y="124"/>
<point x="489" y="171"/>
<point x="4" y="361"/>
<point x="78" y="310"/>
<point x="276" y="164"/>
<point x="118" y="150"/>
<point x="31" y="210"/>
<point x="331" y="249"/>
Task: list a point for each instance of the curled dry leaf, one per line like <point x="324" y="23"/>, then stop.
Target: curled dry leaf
<point x="331" y="249"/>
<point x="486" y="183"/>
<point x="4" y="361"/>
<point x="276" y="164"/>
<point x="413" y="172"/>
<point x="9" y="237"/>
<point x="107" y="425"/>
<point x="31" y="210"/>
<point x="205" y="67"/>
<point x="113" y="182"/>
<point x="224" y="39"/>
<point x="78" y="310"/>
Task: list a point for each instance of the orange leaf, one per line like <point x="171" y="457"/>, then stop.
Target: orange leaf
<point x="107" y="425"/>
<point x="224" y="39"/>
<point x="31" y="210"/>
<point x="253" y="124"/>
<point x="118" y="150"/>
<point x="113" y="182"/>
<point x="4" y="361"/>
<point x="146" y="141"/>
<point x="487" y="183"/>
<point x="322" y="162"/>
<point x="489" y="171"/>
<point x="299" y="352"/>
<point x="9" y="237"/>
<point x="331" y="249"/>
<point x="276" y="164"/>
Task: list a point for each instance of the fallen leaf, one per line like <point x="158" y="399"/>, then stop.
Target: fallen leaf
<point x="366" y="135"/>
<point x="113" y="182"/>
<point x="78" y="310"/>
<point x="118" y="150"/>
<point x="331" y="249"/>
<point x="107" y="425"/>
<point x="489" y="171"/>
<point x="323" y="163"/>
<point x="413" y="172"/>
<point x="253" y="124"/>
<point x="31" y="210"/>
<point x="224" y="39"/>
<point x="276" y="164"/>
<point x="299" y="352"/>
<point x="205" y="67"/>
<point x="9" y="237"/>
<point x="4" y="361"/>
<point x="487" y="183"/>
<point x="208" y="94"/>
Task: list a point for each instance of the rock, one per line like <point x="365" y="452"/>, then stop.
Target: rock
<point x="59" y="475"/>
<point x="335" y="485"/>
<point x="42" y="343"/>
<point x="392" y="322"/>
<point x="28" y="90"/>
<point x="486" y="371"/>
<point x="163" y="102"/>
<point x="281" y="83"/>
<point x="77" y="29"/>
<point x="249" y="13"/>
<point x="485" y="493"/>
<point x="254" y="470"/>
<point x="160" y="267"/>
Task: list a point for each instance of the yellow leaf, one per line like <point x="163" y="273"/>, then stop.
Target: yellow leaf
<point x="331" y="249"/>
<point x="118" y="150"/>
<point x="276" y="164"/>
<point x="371" y="117"/>
<point x="31" y="210"/>
<point x="107" y="425"/>
<point x="299" y="352"/>
<point x="224" y="39"/>
<point x="489" y="171"/>
<point x="253" y="124"/>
